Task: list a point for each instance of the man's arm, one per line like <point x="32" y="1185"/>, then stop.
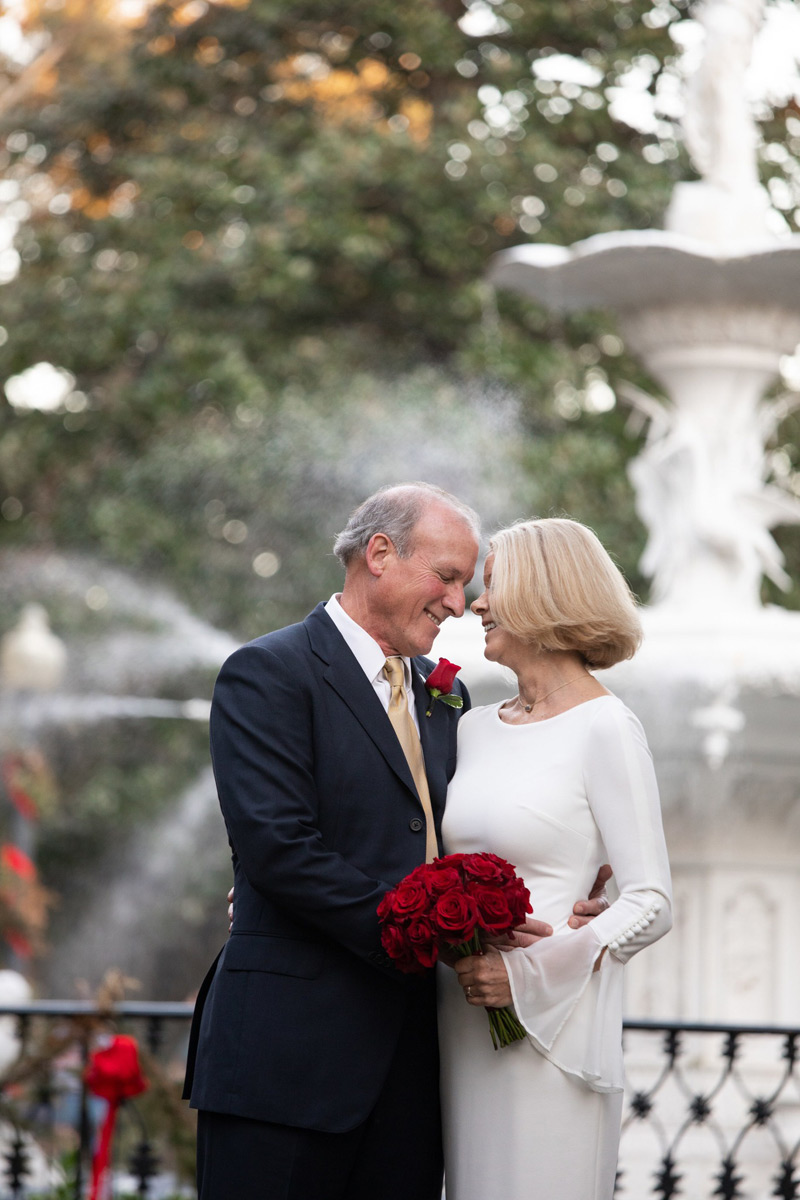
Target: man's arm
<point x="262" y="749"/>
<point x="525" y="935"/>
<point x="583" y="912"/>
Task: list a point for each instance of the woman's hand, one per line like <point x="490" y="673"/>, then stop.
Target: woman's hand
<point x="484" y="979"/>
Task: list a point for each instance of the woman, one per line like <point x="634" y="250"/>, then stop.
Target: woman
<point x="557" y="780"/>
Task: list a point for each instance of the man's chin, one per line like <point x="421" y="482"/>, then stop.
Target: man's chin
<point x="424" y="646"/>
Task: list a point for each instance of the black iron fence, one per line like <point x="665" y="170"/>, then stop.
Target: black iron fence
<point x="711" y="1111"/>
<point x="49" y="1119"/>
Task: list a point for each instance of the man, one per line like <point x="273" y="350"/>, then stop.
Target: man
<point x="313" y="1062"/>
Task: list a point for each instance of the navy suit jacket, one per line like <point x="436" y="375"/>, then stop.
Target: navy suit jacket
<point x="297" y="1020"/>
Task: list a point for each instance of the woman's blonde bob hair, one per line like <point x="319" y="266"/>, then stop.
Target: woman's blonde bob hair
<point x="554" y="585"/>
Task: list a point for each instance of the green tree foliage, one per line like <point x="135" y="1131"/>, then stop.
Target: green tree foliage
<point x="241" y="209"/>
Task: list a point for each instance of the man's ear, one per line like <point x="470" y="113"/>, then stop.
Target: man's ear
<point x="380" y="550"/>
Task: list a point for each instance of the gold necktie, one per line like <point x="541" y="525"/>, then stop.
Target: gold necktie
<point x="406" y="730"/>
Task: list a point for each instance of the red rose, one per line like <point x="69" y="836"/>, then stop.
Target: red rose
<point x="422" y="941"/>
<point x="506" y="869"/>
<point x="439" y="684"/>
<point x="483" y="867"/>
<point x="494" y="913"/>
<point x="409" y="897"/>
<point x="442" y="676"/>
<point x="518" y="899"/>
<point x="396" y="946"/>
<point x="393" y="940"/>
<point x="438" y="882"/>
<point x="455" y="915"/>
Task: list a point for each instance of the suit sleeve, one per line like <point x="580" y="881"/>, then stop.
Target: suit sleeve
<point x="262" y="751"/>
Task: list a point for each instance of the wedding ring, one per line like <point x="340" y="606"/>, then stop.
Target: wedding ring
<point x="469" y="991"/>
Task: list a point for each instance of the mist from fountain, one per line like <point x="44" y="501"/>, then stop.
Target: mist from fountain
<point x="142" y="910"/>
<point x="155" y="637"/>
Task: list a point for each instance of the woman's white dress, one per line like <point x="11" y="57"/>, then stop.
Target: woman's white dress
<point x="539" y="1120"/>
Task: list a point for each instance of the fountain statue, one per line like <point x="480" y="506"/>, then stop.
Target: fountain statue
<point x="710" y="304"/>
<point x="720" y="132"/>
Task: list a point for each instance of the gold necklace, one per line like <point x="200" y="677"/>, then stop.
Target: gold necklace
<point x="539" y="699"/>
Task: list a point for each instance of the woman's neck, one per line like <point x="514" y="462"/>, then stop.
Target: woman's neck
<point x="548" y="683"/>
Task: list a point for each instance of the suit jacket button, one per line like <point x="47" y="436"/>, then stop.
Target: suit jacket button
<point x="416" y="824"/>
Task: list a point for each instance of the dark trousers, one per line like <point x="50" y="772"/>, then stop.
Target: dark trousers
<point x="396" y="1154"/>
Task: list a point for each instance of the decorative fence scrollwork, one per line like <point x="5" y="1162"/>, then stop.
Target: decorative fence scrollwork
<point x="712" y="1112"/>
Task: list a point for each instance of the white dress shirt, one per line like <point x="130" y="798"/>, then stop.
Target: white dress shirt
<point x="369" y="656"/>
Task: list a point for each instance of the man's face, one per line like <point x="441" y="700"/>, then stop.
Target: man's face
<point x="414" y="595"/>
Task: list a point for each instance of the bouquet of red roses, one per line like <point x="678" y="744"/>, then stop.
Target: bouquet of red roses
<point x="447" y="905"/>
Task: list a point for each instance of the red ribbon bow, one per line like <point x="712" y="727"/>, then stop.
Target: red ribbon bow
<point x="113" y="1073"/>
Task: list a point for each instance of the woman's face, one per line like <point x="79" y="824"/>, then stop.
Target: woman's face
<point x="500" y="645"/>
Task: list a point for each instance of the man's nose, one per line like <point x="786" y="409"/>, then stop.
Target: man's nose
<point x="456" y="601"/>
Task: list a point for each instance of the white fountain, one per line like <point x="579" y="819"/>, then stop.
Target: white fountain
<point x="710" y="304"/>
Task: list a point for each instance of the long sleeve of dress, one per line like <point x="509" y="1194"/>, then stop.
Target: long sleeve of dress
<point x="571" y="1013"/>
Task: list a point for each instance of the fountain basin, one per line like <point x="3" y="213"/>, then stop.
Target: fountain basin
<point x="632" y="268"/>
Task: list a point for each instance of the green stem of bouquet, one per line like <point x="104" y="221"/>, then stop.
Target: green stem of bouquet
<point x="504" y="1026"/>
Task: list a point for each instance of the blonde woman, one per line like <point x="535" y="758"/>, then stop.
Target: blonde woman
<point x="558" y="780"/>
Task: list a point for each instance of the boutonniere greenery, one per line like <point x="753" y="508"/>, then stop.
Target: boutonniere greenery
<point x="439" y="685"/>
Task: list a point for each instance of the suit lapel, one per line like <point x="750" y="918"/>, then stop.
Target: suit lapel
<point x="347" y="679"/>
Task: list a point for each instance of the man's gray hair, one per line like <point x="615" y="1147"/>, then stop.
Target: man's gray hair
<point x="395" y="511"/>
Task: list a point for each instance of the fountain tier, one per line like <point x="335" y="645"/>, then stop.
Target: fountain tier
<point x="711" y="329"/>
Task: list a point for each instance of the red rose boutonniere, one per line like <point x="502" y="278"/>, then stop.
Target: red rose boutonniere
<point x="439" y="684"/>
